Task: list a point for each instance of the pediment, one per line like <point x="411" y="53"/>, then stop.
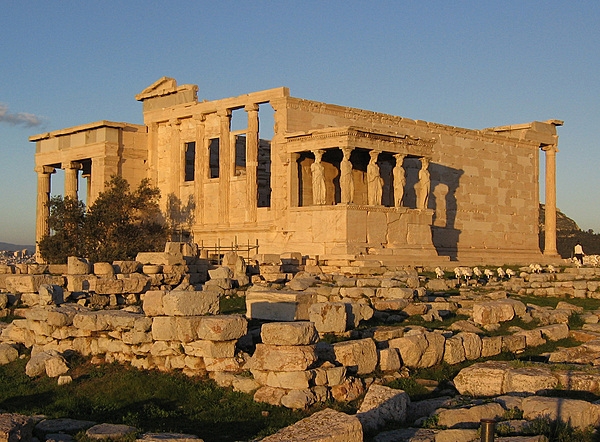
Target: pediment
<point x="163" y="86"/>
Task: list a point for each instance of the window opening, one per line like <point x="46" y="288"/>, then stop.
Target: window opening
<point x="190" y="159"/>
<point x="240" y="154"/>
<point x="213" y="155"/>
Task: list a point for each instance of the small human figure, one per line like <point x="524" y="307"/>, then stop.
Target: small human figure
<point x="346" y="179"/>
<point x="578" y="252"/>
<point x="374" y="180"/>
<point x="318" y="179"/>
<point x="399" y="179"/>
<point x="422" y="187"/>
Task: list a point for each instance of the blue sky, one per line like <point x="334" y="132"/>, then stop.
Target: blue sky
<point x="472" y="64"/>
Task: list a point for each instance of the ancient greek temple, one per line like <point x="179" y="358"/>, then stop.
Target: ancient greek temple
<point x="291" y="174"/>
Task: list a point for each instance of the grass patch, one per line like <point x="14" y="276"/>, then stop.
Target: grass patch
<point x="557" y="430"/>
<point x="232" y="304"/>
<point x="542" y="301"/>
<point x="149" y="400"/>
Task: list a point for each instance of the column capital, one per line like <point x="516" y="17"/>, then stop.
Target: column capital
<point x="72" y="165"/>
<point x="175" y="121"/>
<point x="45" y="169"/>
<point x="549" y="148"/>
<point x="251" y="107"/>
<point x="224" y="113"/>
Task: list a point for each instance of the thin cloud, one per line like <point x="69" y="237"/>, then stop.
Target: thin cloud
<point x="20" y="118"/>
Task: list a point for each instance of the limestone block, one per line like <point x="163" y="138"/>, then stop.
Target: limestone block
<point x="482" y="379"/>
<point x="160" y="258"/>
<point x="491" y="346"/>
<point x="134" y="282"/>
<point x="513" y="343"/>
<point x="222" y="327"/>
<point x="78" y="266"/>
<point x="55" y="366"/>
<point x="210" y="349"/>
<point x="222" y="272"/>
<point x="16" y="427"/>
<point x="298" y="399"/>
<point x="190" y="303"/>
<point x="6" y="269"/>
<point x="291" y="380"/>
<point x="50" y="294"/>
<point x="168" y="437"/>
<point x="283" y="357"/>
<point x="492" y="312"/>
<point x="103" y="268"/>
<point x="36" y="365"/>
<point x="578" y="413"/>
<point x="3" y="300"/>
<point x="349" y="390"/>
<point x="91" y="320"/>
<point x="358" y="356"/>
<point x="289" y="333"/>
<point x="357" y="312"/>
<point x="434" y="352"/>
<point x="555" y="332"/>
<point x="269" y="395"/>
<point x="472" y="344"/>
<point x="381" y="406"/>
<point x="383" y="305"/>
<point x="454" y="351"/>
<point x="469" y="417"/>
<point x="80" y="283"/>
<point x="533" y="338"/>
<point x="389" y="359"/>
<point x="126" y="267"/>
<point x="109" y="431"/>
<point x="529" y="380"/>
<point x="278" y="305"/>
<point x="329" y="317"/>
<point x="323" y="426"/>
<point x="357" y="292"/>
<point x="31" y="283"/>
<point x="176" y="328"/>
<point x="395" y="293"/>
<point x="7" y="353"/>
<point x="411" y="348"/>
<point x="153" y="303"/>
<point x="386" y="332"/>
<point x="464" y="435"/>
<point x="222" y="364"/>
<point x="136" y="337"/>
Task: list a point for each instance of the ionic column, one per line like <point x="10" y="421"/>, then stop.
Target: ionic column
<point x="71" y="169"/>
<point x="550" y="220"/>
<point x="346" y="178"/>
<point x="251" y="163"/>
<point x="176" y="172"/>
<point x="226" y="160"/>
<point x="201" y="167"/>
<point x="42" y="209"/>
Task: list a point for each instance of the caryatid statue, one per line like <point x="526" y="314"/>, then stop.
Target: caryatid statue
<point x="374" y="180"/>
<point x="318" y="179"/>
<point x="399" y="179"/>
<point x="346" y="179"/>
<point x="422" y="187"/>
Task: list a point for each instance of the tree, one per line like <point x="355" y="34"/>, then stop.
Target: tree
<point x="117" y="226"/>
<point x="66" y="221"/>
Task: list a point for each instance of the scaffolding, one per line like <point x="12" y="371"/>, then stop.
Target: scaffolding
<point x="216" y="252"/>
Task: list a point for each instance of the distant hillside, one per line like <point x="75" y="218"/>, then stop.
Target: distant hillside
<point x="568" y="234"/>
<point x="14" y="247"/>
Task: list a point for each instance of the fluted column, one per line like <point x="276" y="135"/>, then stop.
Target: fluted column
<point x="251" y="163"/>
<point x="72" y="169"/>
<point x="346" y="177"/>
<point x="176" y="177"/>
<point x="201" y="166"/>
<point x="550" y="220"/>
<point x="225" y="164"/>
<point x="42" y="209"/>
